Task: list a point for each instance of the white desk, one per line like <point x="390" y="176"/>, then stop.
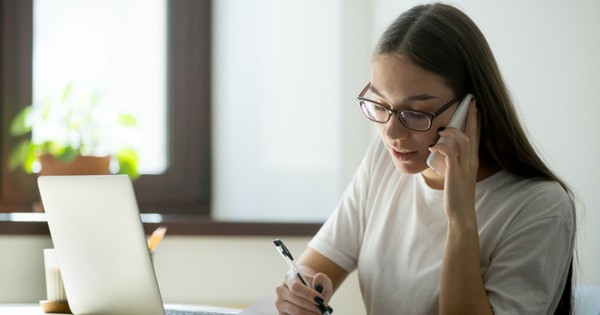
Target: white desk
<point x="21" y="309"/>
<point x="36" y="309"/>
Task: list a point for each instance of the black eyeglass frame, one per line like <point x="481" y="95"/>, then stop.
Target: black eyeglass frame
<point x="397" y="112"/>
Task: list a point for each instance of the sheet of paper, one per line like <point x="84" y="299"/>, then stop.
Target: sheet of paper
<point x="264" y="306"/>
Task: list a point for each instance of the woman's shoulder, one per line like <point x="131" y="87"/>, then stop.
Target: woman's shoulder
<point x="535" y="198"/>
<point x="505" y="180"/>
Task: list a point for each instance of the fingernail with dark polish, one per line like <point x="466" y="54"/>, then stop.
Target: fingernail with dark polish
<point x="319" y="288"/>
<point x="318" y="300"/>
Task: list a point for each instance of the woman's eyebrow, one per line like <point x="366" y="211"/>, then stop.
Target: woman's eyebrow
<point x="374" y="90"/>
<point x="407" y="100"/>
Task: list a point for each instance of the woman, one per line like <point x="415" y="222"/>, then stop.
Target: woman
<point x="493" y="234"/>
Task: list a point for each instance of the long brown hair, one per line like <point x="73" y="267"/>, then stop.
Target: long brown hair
<point x="445" y="41"/>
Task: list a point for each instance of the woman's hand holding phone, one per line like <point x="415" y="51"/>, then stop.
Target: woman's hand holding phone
<point x="435" y="159"/>
<point x="461" y="178"/>
<point x="459" y="151"/>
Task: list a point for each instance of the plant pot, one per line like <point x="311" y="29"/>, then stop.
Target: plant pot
<point x="82" y="165"/>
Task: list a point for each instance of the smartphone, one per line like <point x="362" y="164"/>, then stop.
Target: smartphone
<point x="437" y="161"/>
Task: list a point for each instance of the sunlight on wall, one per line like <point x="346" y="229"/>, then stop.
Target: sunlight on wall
<point x="276" y="109"/>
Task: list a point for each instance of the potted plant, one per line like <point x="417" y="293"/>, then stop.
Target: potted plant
<point x="73" y="135"/>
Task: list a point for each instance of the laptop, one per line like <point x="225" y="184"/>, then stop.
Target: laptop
<point x="101" y="247"/>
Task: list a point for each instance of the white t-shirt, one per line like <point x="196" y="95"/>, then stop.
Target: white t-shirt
<point x="391" y="227"/>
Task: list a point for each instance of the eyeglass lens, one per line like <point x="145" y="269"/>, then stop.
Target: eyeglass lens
<point x="380" y="114"/>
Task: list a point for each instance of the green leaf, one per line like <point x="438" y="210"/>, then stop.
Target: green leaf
<point x="95" y="97"/>
<point x="20" y="124"/>
<point x="24" y="155"/>
<point x="128" y="163"/>
<point x="127" y="120"/>
<point x="46" y="109"/>
<point x="68" y="155"/>
<point x="64" y="154"/>
<point x="66" y="92"/>
<point x="18" y="154"/>
<point x="51" y="147"/>
<point x="32" y="157"/>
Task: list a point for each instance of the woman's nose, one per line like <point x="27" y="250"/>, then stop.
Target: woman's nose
<point x="394" y="129"/>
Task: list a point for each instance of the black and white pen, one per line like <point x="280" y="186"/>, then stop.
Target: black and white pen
<point x="289" y="259"/>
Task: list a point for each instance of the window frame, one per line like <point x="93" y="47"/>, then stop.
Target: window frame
<point x="185" y="187"/>
<point x="188" y="225"/>
<point x="186" y="191"/>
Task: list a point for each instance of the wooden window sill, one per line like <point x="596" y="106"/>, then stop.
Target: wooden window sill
<point x="25" y="223"/>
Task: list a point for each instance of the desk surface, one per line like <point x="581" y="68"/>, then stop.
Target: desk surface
<point x="35" y="309"/>
<point x="21" y="309"/>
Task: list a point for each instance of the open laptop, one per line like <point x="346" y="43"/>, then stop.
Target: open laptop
<point x="101" y="247"/>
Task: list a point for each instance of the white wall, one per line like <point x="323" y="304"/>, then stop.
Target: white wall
<point x="22" y="268"/>
<point x="225" y="271"/>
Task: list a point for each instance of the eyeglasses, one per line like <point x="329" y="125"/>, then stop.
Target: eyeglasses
<point x="411" y="119"/>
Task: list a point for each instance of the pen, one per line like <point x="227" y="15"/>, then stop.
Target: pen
<point x="287" y="256"/>
<point x="156" y="237"/>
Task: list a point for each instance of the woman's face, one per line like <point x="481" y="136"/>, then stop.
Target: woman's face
<point x="402" y="85"/>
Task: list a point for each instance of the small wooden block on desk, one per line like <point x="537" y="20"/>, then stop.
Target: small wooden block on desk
<point x="53" y="307"/>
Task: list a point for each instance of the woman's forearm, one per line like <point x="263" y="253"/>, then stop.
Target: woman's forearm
<point x="461" y="286"/>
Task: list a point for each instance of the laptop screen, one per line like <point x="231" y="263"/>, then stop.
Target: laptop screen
<point x="100" y="244"/>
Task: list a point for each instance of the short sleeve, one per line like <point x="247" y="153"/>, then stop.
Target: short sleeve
<point x="340" y="238"/>
<point x="528" y="269"/>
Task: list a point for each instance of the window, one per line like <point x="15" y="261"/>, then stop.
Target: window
<point x="276" y="109"/>
<point x="287" y="132"/>
<point x="116" y="49"/>
<point x="184" y="187"/>
<point x="289" y="88"/>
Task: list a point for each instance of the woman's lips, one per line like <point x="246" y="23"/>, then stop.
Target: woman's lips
<point x="403" y="155"/>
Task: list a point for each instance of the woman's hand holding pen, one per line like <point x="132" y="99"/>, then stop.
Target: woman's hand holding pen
<point x="294" y="298"/>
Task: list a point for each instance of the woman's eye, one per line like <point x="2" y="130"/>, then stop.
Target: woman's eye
<point x="413" y="115"/>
